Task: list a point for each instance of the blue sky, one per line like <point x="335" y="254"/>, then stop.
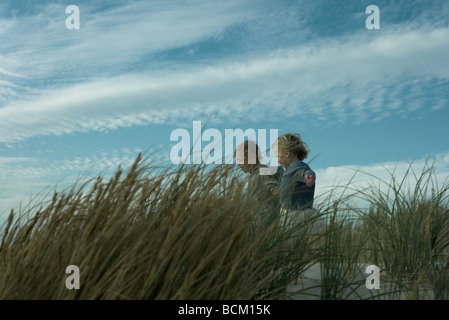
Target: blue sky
<point x="82" y="101"/>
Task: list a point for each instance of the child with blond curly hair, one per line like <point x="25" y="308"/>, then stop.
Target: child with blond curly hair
<point x="297" y="187"/>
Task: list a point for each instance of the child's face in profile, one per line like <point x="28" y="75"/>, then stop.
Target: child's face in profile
<point x="242" y="161"/>
<point x="283" y="157"/>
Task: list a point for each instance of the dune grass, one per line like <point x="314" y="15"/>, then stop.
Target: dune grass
<point x="195" y="233"/>
<point x="408" y="231"/>
<point x="180" y="234"/>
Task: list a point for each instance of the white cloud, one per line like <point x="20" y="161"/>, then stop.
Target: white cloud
<point x="332" y="181"/>
<point x="10" y="73"/>
<point x="333" y="81"/>
<point x="109" y="40"/>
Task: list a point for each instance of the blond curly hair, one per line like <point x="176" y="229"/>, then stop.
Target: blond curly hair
<point x="293" y="143"/>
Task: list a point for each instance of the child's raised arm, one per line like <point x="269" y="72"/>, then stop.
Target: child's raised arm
<point x="309" y="175"/>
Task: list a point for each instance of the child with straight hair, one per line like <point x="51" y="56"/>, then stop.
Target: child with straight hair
<point x="260" y="185"/>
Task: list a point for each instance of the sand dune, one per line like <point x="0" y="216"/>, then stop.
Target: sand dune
<point x="309" y="286"/>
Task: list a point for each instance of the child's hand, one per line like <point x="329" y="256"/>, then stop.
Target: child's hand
<point x="310" y="180"/>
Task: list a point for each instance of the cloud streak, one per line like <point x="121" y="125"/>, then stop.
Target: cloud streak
<point x="331" y="81"/>
<point x="110" y="40"/>
<point x="26" y="178"/>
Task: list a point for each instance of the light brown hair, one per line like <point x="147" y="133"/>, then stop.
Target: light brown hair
<point x="250" y="148"/>
<point x="292" y="142"/>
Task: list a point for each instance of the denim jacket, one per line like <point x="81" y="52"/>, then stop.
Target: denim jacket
<point x="294" y="192"/>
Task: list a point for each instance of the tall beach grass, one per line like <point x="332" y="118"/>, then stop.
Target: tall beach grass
<point x="186" y="233"/>
<point x="195" y="233"/>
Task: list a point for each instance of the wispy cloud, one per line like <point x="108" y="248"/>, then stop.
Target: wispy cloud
<point x="110" y="40"/>
<point x="24" y="178"/>
<point x="335" y="81"/>
<point x="10" y="73"/>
